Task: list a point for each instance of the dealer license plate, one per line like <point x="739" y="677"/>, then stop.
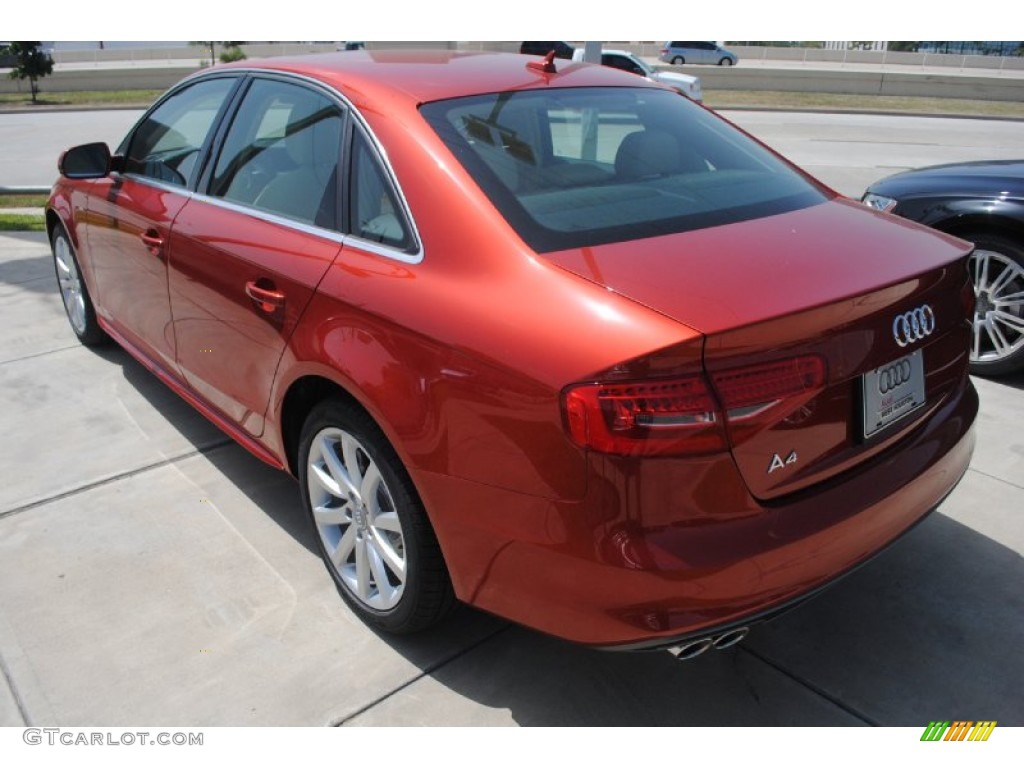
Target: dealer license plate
<point x="892" y="392"/>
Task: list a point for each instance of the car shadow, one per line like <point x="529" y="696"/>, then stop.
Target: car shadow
<point x="274" y="492"/>
<point x="32" y="274"/>
<point x="927" y="630"/>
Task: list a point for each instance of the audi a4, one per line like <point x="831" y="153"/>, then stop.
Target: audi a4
<point x="533" y="335"/>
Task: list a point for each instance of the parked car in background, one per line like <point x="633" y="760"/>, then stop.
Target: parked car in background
<point x="697" y="52"/>
<point x="544" y="337"/>
<point x="982" y="202"/>
<point x="688" y="85"/>
<point x="561" y="48"/>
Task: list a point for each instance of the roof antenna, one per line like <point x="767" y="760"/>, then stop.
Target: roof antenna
<point x="545" y="65"/>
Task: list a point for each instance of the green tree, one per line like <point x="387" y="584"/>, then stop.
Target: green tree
<point x="232" y="51"/>
<point x="904" y="45"/>
<point x="32" y="63"/>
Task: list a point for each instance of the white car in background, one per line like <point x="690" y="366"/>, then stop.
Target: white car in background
<point x="688" y="85"/>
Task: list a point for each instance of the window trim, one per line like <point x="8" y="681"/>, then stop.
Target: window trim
<point x="227" y="107"/>
<point x="205" y="179"/>
<point x="246" y="75"/>
<point x="350" y="183"/>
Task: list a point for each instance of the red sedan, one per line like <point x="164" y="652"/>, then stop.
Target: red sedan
<point x="532" y="335"/>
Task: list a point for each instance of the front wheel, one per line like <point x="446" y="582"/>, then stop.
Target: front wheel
<point x="997" y="269"/>
<point x="373" y="532"/>
<point x="73" y="291"/>
<point x="725" y="62"/>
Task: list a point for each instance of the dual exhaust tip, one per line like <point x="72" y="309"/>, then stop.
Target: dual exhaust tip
<point x="694" y="648"/>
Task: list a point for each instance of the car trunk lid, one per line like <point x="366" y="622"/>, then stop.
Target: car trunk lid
<point x="825" y="283"/>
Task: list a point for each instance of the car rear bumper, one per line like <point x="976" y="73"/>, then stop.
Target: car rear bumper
<point x="664" y="550"/>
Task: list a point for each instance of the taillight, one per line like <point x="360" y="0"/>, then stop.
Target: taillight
<point x="669" y="416"/>
<point x="747" y="391"/>
<point x="681" y="415"/>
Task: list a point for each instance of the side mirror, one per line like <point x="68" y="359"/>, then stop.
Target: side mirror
<point x="87" y="161"/>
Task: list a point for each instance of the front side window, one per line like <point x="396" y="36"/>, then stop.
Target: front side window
<point x="281" y="153"/>
<point x="570" y="167"/>
<point x="167" y="144"/>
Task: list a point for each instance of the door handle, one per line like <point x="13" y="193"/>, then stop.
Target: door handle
<point x="153" y="242"/>
<point x="267" y="299"/>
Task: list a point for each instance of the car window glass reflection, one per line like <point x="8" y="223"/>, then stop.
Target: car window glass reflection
<point x="376" y="215"/>
<point x="167" y="144"/>
<point x="281" y="154"/>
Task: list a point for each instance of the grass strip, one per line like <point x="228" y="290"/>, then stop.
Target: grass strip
<point x="21" y="222"/>
<point x="22" y="201"/>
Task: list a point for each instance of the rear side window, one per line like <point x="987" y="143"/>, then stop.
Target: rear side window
<point x="167" y="144"/>
<point x="585" y="166"/>
<point x="282" y="153"/>
<point x="375" y="211"/>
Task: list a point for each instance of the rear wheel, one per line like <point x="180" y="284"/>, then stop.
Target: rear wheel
<point x="73" y="291"/>
<point x="997" y="269"/>
<point x="373" y="532"/>
<point x="678" y="60"/>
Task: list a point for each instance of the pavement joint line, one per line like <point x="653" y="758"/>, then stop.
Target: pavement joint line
<point x="996" y="478"/>
<point x="201" y="451"/>
<point x="31" y="279"/>
<point x="341" y="721"/>
<point x="40" y="354"/>
<point x="817" y="689"/>
<point x="13" y="688"/>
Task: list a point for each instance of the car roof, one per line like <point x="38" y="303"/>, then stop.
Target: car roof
<point x="422" y="76"/>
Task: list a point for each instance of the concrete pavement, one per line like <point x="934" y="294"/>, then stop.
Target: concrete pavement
<point x="152" y="572"/>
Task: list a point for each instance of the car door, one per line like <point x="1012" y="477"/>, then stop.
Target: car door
<point x="131" y="212"/>
<point x="246" y="257"/>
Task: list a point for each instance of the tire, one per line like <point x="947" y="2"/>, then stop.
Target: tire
<point x="371" y="527"/>
<point x="73" y="291"/>
<point x="725" y="62"/>
<point x="997" y="269"/>
<point x="677" y="60"/>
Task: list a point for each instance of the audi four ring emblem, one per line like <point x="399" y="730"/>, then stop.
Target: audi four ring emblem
<point x="893" y="376"/>
<point x="913" y="325"/>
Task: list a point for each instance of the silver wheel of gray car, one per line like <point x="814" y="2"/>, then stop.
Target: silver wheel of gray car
<point x="356" y="519"/>
<point x="997" y="269"/>
<point x="677" y="60"/>
<point x="73" y="291"/>
<point x="725" y="62"/>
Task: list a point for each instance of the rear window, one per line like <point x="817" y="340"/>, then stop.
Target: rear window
<point x="586" y="166"/>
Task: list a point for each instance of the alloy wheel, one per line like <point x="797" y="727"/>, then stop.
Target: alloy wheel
<point x="356" y="518"/>
<point x="999" y="311"/>
<point x="70" y="284"/>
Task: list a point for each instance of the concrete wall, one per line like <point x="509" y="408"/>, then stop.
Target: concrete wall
<point x="160" y="72"/>
<point x="136" y="78"/>
<point x="953" y="86"/>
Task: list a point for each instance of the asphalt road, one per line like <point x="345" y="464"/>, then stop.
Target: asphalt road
<point x="848" y="152"/>
<point x="153" y="572"/>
